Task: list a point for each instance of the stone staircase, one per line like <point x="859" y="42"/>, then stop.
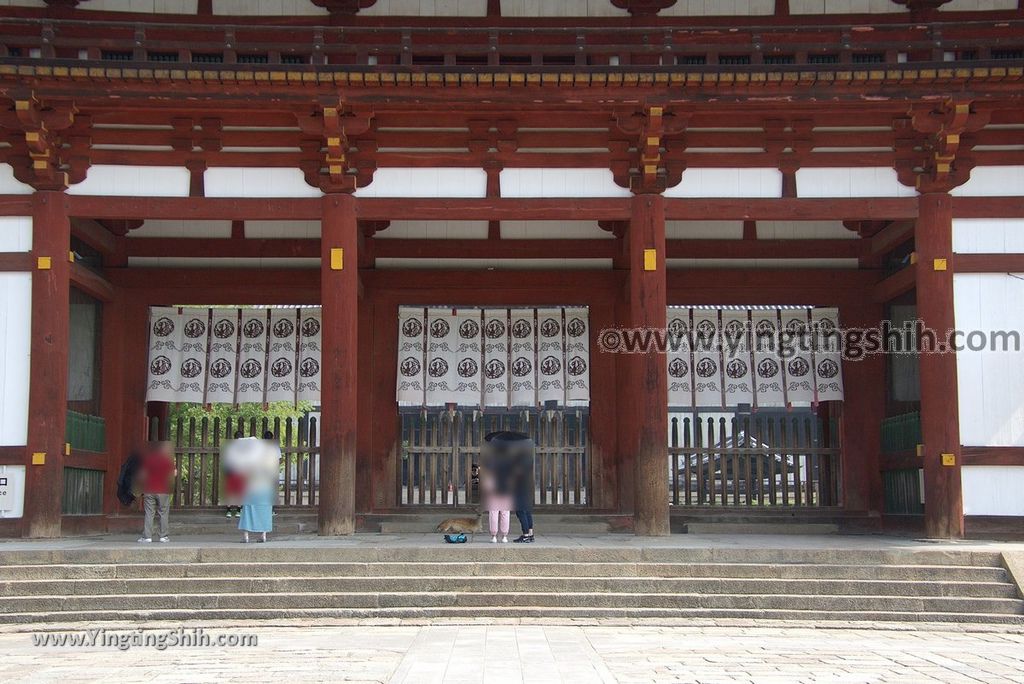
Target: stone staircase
<point x="480" y="580"/>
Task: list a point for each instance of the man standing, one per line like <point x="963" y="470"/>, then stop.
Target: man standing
<point x="157" y="475"/>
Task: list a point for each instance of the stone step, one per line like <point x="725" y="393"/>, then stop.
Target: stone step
<point x="484" y="552"/>
<point x="921" y="573"/>
<point x="496" y="602"/>
<point x="788" y="528"/>
<point x="561" y="527"/>
<point x="507" y="583"/>
<point x="119" y="616"/>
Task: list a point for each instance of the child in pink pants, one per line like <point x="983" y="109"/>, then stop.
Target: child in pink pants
<point x="498" y="517"/>
<point x="499" y="507"/>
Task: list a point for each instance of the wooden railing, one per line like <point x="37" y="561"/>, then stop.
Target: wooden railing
<point x="736" y="43"/>
<point x="753" y="461"/>
<point x="901" y="433"/>
<point x="440" y="447"/>
<point x="197" y="445"/>
<point x="85" y="432"/>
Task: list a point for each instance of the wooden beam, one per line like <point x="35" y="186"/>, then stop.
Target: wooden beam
<point x="893" y="235"/>
<point x="289" y="286"/>
<point x="194" y="208"/>
<point x="440" y="209"/>
<point x="494" y="249"/>
<point x="223" y="248"/>
<point x="988" y="207"/>
<point x="765" y="249"/>
<point x="508" y="209"/>
<point x="92" y="233"/>
<point x="500" y="287"/>
<point x="898" y="283"/>
<point x="15" y="205"/>
<point x="401" y="248"/>
<point x="91" y="283"/>
<point x="789" y="209"/>
<point x="988" y="263"/>
<point x="1001" y="456"/>
<point x="17" y="261"/>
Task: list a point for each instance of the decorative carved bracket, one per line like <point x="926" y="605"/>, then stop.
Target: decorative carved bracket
<point x="643" y="8"/>
<point x="933" y="145"/>
<point x="648" y="162"/>
<point x="43" y="155"/>
<point x="333" y="161"/>
<point x="921" y="5"/>
<point x="344" y="7"/>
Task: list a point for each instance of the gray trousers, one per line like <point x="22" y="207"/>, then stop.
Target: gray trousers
<point x="154" y="503"/>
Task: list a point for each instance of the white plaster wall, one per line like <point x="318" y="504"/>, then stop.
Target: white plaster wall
<point x="134" y="181"/>
<point x="975" y="5"/>
<point x="992" y="490"/>
<point x="851" y="182"/>
<point x="561" y="8"/>
<point x="15" y="353"/>
<point x="560" y="183"/>
<point x="990" y="383"/>
<point x="804" y="230"/>
<point x="553" y="230"/>
<point x="844" y="7"/>
<point x="427" y="8"/>
<point x="153" y="228"/>
<point x="257" y="182"/>
<point x="158" y="6"/>
<point x="15" y="233"/>
<point x="704" y="230"/>
<point x="993" y="181"/>
<point x="761" y="183"/>
<point x="22" y="3"/>
<point x="282" y="229"/>
<point x="697" y="8"/>
<point x="435" y="230"/>
<point x="267" y="7"/>
<point x="9" y="185"/>
<point x="428" y="182"/>
<point x="988" y="236"/>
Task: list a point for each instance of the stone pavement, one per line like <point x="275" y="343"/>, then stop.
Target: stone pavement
<point x="535" y="652"/>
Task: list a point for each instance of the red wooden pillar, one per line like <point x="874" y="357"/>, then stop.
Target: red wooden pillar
<point x="339" y="293"/>
<point x="48" y="390"/>
<point x="940" y="419"/>
<point x="862" y="414"/>
<point x="648" y="429"/>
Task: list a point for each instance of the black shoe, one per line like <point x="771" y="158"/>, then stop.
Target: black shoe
<point x="523" y="539"/>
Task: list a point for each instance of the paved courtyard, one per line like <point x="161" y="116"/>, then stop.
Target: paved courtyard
<point x="533" y="653"/>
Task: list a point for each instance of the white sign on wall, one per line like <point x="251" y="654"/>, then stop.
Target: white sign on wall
<point x="12" y="491"/>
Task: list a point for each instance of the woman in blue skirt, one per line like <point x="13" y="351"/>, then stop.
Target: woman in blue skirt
<point x="261" y="489"/>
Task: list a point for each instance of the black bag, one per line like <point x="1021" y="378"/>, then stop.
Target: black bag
<point x="126" y="478"/>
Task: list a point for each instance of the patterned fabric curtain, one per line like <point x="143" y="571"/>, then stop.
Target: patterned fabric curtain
<point x="234" y="356"/>
<point x="493" y="357"/>
<point x="761" y="357"/>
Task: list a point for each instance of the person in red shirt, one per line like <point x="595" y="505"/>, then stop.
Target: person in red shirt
<point x="157" y="477"/>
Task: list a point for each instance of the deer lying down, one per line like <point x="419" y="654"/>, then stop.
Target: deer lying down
<point x="468" y="526"/>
